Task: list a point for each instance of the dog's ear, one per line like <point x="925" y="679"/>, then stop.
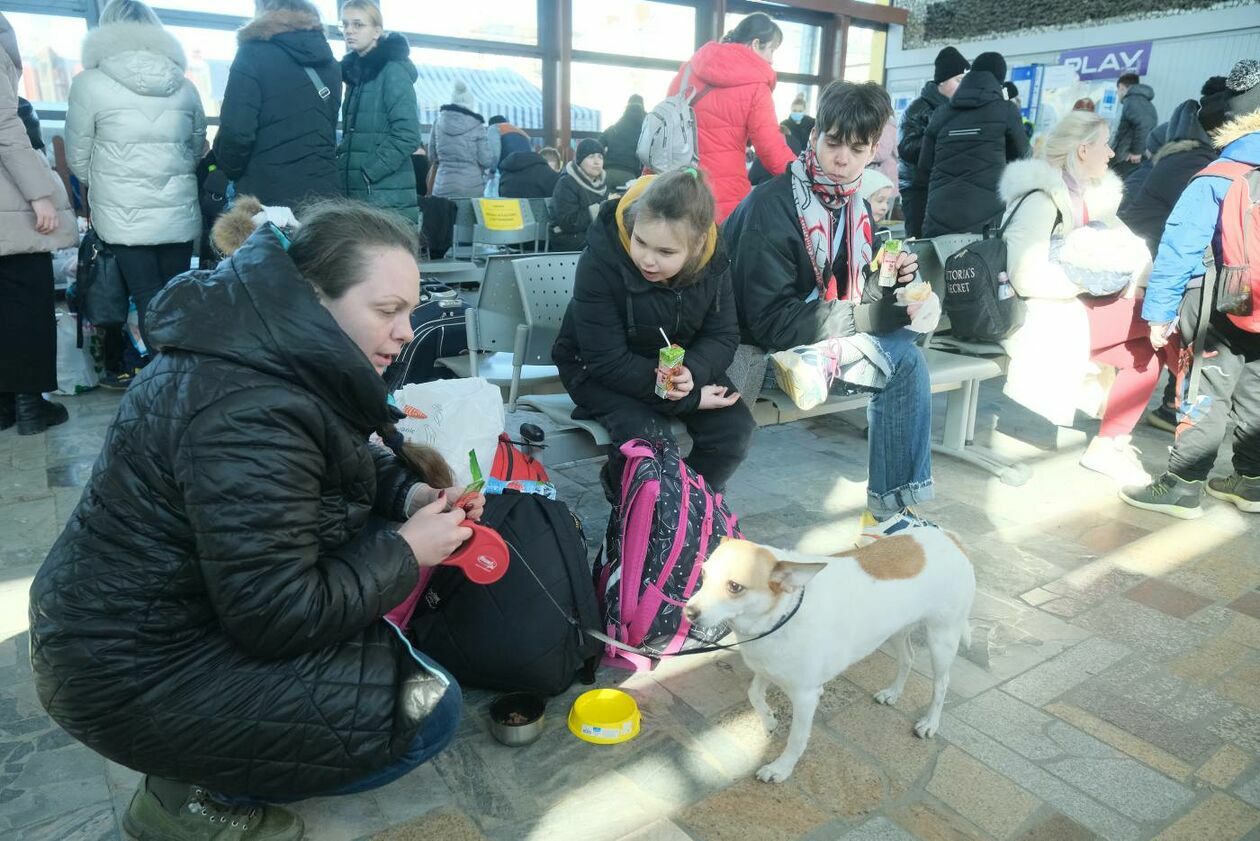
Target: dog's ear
<point x="789" y="576"/>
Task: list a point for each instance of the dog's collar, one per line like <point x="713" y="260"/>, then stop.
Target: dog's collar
<point x="783" y="620"/>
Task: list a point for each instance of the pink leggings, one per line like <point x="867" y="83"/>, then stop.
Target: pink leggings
<point x="1118" y="336"/>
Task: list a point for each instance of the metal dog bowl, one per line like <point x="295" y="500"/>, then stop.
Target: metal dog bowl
<point x="526" y="710"/>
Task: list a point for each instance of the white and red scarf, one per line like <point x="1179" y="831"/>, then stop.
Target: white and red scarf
<point x="822" y="207"/>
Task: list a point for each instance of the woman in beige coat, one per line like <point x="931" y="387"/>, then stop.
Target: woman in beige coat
<point x="1063" y="237"/>
<point x="35" y="220"/>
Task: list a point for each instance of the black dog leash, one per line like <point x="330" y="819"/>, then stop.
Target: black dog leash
<point x="643" y="652"/>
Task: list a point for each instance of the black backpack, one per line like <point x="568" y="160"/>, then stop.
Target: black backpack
<point x="516" y="634"/>
<point x="979" y="299"/>
<point x="438" y="330"/>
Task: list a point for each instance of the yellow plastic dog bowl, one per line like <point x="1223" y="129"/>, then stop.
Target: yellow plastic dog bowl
<point x="604" y="717"/>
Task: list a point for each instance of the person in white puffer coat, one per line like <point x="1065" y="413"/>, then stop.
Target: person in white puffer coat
<point x="135" y="129"/>
<point x="1065" y="245"/>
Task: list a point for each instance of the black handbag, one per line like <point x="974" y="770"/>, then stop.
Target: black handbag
<point x="100" y="293"/>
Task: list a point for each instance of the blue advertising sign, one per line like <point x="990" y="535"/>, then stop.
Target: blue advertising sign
<point x="1110" y="61"/>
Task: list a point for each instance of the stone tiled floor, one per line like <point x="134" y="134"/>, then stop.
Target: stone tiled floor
<point x="1112" y="690"/>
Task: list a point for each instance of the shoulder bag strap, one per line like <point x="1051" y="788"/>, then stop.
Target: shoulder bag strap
<point x="320" y="88"/>
<point x="1058" y="214"/>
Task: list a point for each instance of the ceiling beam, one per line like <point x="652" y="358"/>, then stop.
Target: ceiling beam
<point x="854" y="9"/>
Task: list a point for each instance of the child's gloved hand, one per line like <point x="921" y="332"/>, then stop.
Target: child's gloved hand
<point x="922" y="305"/>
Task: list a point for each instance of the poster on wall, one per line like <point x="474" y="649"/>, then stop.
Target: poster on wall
<point x="1028" y="79"/>
<point x="1110" y="61"/>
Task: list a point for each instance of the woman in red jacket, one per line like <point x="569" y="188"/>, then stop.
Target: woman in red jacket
<point x="733" y="80"/>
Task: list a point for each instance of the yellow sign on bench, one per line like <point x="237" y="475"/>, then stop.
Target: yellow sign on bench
<point x="502" y="214"/>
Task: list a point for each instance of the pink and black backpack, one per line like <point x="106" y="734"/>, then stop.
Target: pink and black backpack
<point x="662" y="529"/>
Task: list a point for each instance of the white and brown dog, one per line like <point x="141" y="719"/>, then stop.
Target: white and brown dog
<point x="854" y="601"/>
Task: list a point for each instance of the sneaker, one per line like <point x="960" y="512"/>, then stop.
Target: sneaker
<point x="1169" y="495"/>
<point x="871" y="529"/>
<point x="805" y="373"/>
<point x="1243" y="491"/>
<point x="1116" y="458"/>
<point x="117" y="381"/>
<point x="1163" y="418"/>
<point x="201" y="818"/>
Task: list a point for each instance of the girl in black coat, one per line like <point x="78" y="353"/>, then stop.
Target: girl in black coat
<point x="654" y="262"/>
<point x="212" y="613"/>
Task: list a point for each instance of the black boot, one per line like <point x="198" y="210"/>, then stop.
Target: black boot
<point x="35" y="414"/>
<point x="8" y="414"/>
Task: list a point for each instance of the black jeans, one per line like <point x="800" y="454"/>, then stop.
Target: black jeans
<point x="28" y="324"/>
<point x="1229" y="390"/>
<point x="145" y="270"/>
<point x="720" y="438"/>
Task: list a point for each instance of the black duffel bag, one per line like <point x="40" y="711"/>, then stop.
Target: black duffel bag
<point x="516" y="634"/>
<point x="100" y="293"/>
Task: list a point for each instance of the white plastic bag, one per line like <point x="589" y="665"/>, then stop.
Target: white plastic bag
<point x="76" y="370"/>
<point x="453" y="417"/>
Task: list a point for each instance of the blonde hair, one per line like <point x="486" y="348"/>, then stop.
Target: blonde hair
<point x="129" y="11"/>
<point x="369" y="8"/>
<point x="1076" y="129"/>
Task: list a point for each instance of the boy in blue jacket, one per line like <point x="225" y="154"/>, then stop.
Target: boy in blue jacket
<point x="1230" y="387"/>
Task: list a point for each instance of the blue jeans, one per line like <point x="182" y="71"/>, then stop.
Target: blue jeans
<point x="900" y="417"/>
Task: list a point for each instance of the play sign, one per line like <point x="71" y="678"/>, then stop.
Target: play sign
<point x="1110" y="61"/>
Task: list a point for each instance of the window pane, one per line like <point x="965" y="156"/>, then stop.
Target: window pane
<point x="50" y="55"/>
<point x="514" y="21"/>
<point x="785" y="92"/>
<point x="599" y="92"/>
<point x="634" y="27"/>
<point x="240" y="8"/>
<point x="864" y="60"/>
<point x="500" y="84"/>
<point x="801" y="47"/>
<point x="210" y="53"/>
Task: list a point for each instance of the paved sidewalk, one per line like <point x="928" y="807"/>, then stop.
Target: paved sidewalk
<point x="1112" y="689"/>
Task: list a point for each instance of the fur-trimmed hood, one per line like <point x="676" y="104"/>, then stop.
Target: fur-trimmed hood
<point x="357" y="69"/>
<point x="270" y="24"/>
<point x="142" y="57"/>
<point x="1021" y="177"/>
<point x="1236" y="128"/>
<point x="235" y="226"/>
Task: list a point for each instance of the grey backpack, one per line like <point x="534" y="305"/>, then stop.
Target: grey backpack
<point x="668" y="137"/>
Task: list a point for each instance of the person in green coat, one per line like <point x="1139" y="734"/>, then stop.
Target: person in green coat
<point x="379" y="115"/>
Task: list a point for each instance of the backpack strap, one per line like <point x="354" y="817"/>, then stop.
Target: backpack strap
<point x="1058" y="214"/>
<point x="695" y="96"/>
<point x="320" y="88"/>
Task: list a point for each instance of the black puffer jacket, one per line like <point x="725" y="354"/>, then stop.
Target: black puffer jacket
<point x="914" y="123"/>
<point x="611" y="332"/>
<point x="526" y="175"/>
<point x="621" y="141"/>
<point x="277" y="138"/>
<point x="1188" y="149"/>
<point x="774" y="281"/>
<point x="968" y="143"/>
<point x="212" y="611"/>
<point x="1137" y="118"/>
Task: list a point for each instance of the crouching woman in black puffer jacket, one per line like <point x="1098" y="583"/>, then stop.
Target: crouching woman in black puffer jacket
<point x="212" y="613"/>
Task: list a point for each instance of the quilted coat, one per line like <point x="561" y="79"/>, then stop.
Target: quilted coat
<point x="737" y="109"/>
<point x="967" y="144"/>
<point x="458" y="147"/>
<point x="277" y="137"/>
<point x="134" y="133"/>
<point x="24" y="173"/>
<point x="212" y="611"/>
<point x="381" y="127"/>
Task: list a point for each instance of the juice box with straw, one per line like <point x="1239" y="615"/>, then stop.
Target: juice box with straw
<point x="888" y="262"/>
<point x="671" y="356"/>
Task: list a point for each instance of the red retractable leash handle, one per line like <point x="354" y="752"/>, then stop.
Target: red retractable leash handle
<point x="483" y="558"/>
